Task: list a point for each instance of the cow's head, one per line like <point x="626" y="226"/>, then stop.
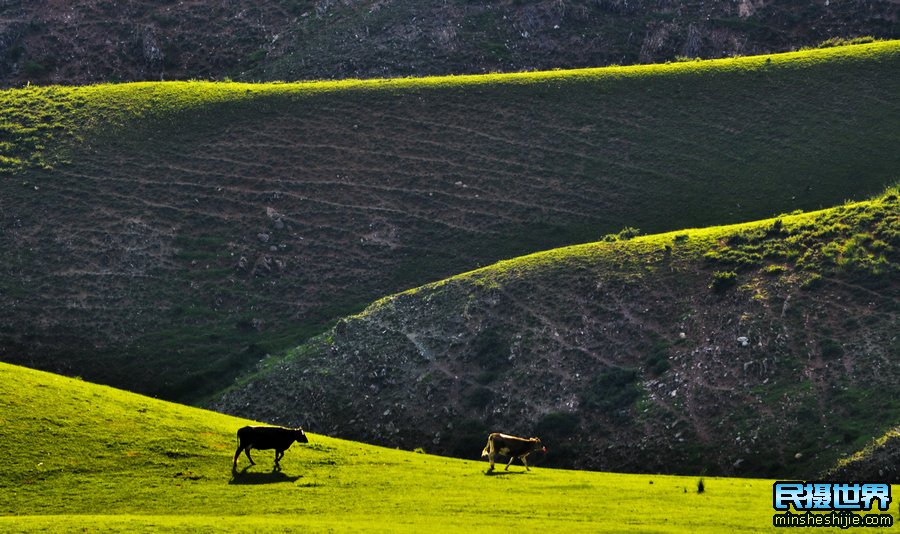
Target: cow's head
<point x="300" y="436"/>
<point x="538" y="446"/>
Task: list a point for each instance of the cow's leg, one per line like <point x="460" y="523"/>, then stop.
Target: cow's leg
<point x="278" y="456"/>
<point x="247" y="452"/>
<point x="525" y="461"/>
<point x="511" y="458"/>
<point x="489" y="452"/>
<point x="237" y="453"/>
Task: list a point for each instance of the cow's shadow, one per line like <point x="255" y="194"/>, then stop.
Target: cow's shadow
<point x="271" y="477"/>
<point x="495" y="473"/>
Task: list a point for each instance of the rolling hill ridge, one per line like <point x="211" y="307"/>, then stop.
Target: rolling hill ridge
<point x="165" y="237"/>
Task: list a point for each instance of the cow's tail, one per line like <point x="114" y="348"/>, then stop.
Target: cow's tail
<point x="489" y="448"/>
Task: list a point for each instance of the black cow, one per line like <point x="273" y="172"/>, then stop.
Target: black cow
<point x="511" y="446"/>
<point x="267" y="437"/>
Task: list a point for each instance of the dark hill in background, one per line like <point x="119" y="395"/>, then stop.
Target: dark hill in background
<point x="764" y="349"/>
<point x="164" y="237"/>
<point x="90" y="41"/>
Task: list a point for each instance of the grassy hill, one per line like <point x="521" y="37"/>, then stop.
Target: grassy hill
<point x="82" y="456"/>
<point x="164" y="237"/>
<point x="764" y="348"/>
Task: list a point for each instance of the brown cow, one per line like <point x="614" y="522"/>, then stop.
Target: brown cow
<point x="511" y="446"/>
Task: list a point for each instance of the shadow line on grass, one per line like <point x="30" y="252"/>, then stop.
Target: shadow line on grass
<point x="503" y="473"/>
<point x="272" y="477"/>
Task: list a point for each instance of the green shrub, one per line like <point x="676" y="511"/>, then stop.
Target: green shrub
<point x="295" y="7"/>
<point x="657" y="362"/>
<point x="879" y="246"/>
<point x="811" y="282"/>
<point x="777" y="229"/>
<point x="477" y="398"/>
<point x="722" y="280"/>
<point x="845" y="41"/>
<point x="741" y="257"/>
<point x="486" y="377"/>
<point x="35" y="69"/>
<point x="490" y="349"/>
<point x="831" y="349"/>
<point x="15" y="52"/>
<point x="557" y="426"/>
<point x="257" y="56"/>
<point x="624" y="235"/>
<point x="468" y="438"/>
<point x="612" y="391"/>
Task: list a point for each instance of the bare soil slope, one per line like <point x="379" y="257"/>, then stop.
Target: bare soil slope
<point x="92" y="41"/>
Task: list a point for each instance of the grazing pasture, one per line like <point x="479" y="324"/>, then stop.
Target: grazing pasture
<point x="82" y="456"/>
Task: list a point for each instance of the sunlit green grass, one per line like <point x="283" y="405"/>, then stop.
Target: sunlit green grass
<point x="81" y="456"/>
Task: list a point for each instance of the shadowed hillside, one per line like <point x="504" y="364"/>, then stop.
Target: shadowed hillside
<point x="165" y="237"/>
<point x="91" y="41"/>
<point x="766" y="348"/>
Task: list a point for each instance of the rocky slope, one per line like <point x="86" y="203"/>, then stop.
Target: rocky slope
<point x="89" y="41"/>
<point x="766" y="349"/>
